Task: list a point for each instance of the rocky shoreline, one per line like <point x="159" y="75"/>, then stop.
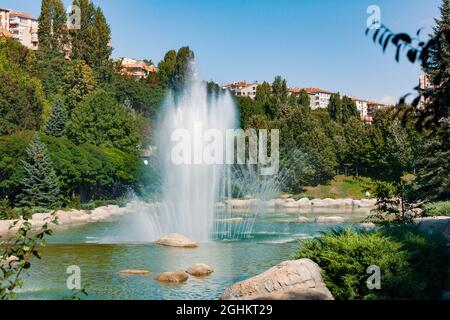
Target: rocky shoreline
<point x="80" y="217"/>
<point x="68" y="218"/>
<point x="290" y="203"/>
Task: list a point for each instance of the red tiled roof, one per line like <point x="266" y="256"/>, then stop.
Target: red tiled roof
<point x="357" y="99"/>
<point x="21" y="15"/>
<point x="237" y="84"/>
<point x="5" y="33"/>
<point x="317" y="90"/>
<point x="295" y="90"/>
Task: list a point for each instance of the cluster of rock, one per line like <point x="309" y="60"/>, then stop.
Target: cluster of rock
<point x="197" y="270"/>
<point x="292" y="203"/>
<point x="289" y="280"/>
<point x="72" y="217"/>
<point x="175" y="277"/>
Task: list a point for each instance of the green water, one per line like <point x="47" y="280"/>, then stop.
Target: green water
<point x="101" y="250"/>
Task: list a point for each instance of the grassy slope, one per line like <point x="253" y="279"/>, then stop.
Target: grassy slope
<point x="340" y="187"/>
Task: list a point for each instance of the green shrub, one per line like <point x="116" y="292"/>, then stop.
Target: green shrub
<point x="413" y="265"/>
<point x="91" y="205"/>
<point x="6" y="212"/>
<point x="441" y="208"/>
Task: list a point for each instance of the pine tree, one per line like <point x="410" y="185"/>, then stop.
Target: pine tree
<point x="349" y="109"/>
<point x="433" y="181"/>
<point x="52" y="32"/>
<point x="59" y="26"/>
<point x="92" y="42"/>
<point x="335" y="108"/>
<point x="437" y="67"/>
<point x="40" y="184"/>
<point x="81" y="40"/>
<point x="102" y="34"/>
<point x="45" y="27"/>
<point x="56" y="124"/>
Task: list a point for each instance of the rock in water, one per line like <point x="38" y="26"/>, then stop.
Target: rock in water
<point x="172" y="277"/>
<point x="329" y="219"/>
<point x="290" y="280"/>
<point x="200" y="270"/>
<point x="177" y="240"/>
<point x="303" y="219"/>
<point x="131" y="271"/>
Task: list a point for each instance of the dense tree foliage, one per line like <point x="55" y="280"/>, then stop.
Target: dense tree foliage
<point x="100" y="120"/>
<point x="40" y="184"/>
<point x="56" y="124"/>
<point x="52" y="32"/>
<point x="22" y="99"/>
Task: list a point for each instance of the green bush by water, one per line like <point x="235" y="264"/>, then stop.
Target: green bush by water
<point x="441" y="208"/>
<point x="413" y="265"/>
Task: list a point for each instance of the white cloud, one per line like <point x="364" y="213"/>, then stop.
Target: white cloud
<point x="388" y="100"/>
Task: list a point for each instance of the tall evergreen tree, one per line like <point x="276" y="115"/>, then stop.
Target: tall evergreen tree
<point x="433" y="181"/>
<point x="101" y="50"/>
<point x="304" y="99"/>
<point x="166" y="67"/>
<point x="335" y="107"/>
<point x="45" y="27"/>
<point x="52" y="32"/>
<point x="437" y="67"/>
<point x="82" y="40"/>
<point x="181" y="68"/>
<point x="349" y="109"/>
<point x="56" y="124"/>
<point x="40" y="184"/>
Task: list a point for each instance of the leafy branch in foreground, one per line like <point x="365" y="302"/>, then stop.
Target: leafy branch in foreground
<point x="16" y="253"/>
<point x="434" y="57"/>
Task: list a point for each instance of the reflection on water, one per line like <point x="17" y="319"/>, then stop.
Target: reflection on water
<point x="101" y="250"/>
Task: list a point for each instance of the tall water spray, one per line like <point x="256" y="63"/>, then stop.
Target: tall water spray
<point x="191" y="190"/>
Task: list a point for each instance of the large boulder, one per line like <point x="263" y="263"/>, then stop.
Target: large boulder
<point x="304" y="202"/>
<point x="200" y="270"/>
<point x="290" y="203"/>
<point x="344" y="202"/>
<point x="329" y="219"/>
<point x="322" y="203"/>
<point x="364" y="203"/>
<point x="172" y="277"/>
<point x="177" y="240"/>
<point x="303" y="219"/>
<point x="289" y="280"/>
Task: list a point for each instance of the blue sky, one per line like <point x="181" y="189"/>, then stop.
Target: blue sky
<point x="310" y="43"/>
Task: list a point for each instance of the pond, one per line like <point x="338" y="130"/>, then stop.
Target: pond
<point x="101" y="251"/>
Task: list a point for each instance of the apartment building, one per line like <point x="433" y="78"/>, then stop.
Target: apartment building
<point x="361" y="106"/>
<point x="21" y="26"/>
<point x="136" y="68"/>
<point x="424" y="84"/>
<point x="242" y="89"/>
<point x="4" y="19"/>
<point x="319" y="98"/>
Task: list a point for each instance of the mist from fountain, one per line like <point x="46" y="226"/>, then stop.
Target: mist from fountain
<point x="190" y="192"/>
